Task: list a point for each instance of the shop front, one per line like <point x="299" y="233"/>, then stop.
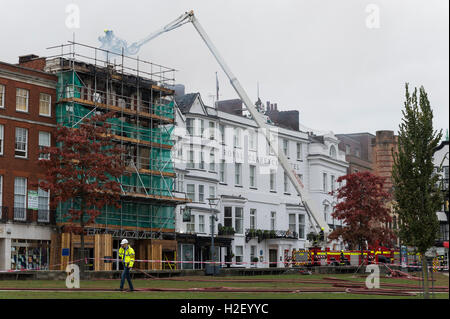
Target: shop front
<point x="30" y="254"/>
<point x="25" y="247"/>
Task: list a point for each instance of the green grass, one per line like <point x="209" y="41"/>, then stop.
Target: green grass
<point x="441" y="280"/>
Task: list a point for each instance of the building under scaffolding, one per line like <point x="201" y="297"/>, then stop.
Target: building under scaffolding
<point x="93" y="81"/>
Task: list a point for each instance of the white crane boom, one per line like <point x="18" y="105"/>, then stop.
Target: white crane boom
<point x="309" y="205"/>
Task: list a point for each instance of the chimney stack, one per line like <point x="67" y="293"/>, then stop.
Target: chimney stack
<point x="275" y="106"/>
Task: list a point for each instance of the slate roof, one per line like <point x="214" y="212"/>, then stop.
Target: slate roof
<point x="185" y="102"/>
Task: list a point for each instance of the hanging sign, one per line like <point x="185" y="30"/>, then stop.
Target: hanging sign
<point x="33" y="200"/>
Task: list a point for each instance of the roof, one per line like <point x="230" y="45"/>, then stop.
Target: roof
<point x="185" y="102"/>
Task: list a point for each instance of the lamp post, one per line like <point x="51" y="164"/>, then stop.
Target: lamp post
<point x="213" y="202"/>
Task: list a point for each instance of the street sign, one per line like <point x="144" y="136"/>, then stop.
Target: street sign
<point x="65" y="252"/>
<point x="33" y="200"/>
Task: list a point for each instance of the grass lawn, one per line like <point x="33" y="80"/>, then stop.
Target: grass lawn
<point x="441" y="280"/>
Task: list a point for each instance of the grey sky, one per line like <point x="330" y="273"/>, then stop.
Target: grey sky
<point x="315" y="56"/>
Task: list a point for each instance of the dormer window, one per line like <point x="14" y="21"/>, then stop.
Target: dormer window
<point x="333" y="152"/>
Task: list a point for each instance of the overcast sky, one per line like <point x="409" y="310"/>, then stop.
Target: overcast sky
<point x="342" y="64"/>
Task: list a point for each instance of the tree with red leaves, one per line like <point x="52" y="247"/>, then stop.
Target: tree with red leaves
<point x="361" y="207"/>
<point x="83" y="167"/>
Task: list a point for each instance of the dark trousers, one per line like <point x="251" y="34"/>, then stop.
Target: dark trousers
<point x="126" y="274"/>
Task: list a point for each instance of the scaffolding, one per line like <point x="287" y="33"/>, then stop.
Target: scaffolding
<point x="140" y="96"/>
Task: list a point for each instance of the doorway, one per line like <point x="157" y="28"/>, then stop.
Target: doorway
<point x="88" y="253"/>
<point x="272" y="257"/>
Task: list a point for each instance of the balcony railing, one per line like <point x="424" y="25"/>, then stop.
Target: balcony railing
<point x="24" y="215"/>
<point x="20" y="214"/>
<point x="269" y="234"/>
<point x="3" y="214"/>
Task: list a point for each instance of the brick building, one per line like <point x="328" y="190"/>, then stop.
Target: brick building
<point x="27" y="122"/>
<point x="383" y="145"/>
<point x="358" y="151"/>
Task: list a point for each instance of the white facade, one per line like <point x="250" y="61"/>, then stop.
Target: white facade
<point x="441" y="164"/>
<point x="254" y="192"/>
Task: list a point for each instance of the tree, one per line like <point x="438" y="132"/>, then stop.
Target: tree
<point x="362" y="208"/>
<point x="83" y="168"/>
<point x="416" y="192"/>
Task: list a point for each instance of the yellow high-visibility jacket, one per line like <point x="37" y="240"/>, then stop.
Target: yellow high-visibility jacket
<point x="127" y="256"/>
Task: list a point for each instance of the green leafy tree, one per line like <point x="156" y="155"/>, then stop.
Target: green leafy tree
<point x="417" y="196"/>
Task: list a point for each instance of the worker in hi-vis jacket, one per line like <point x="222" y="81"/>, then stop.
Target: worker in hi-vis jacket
<point x="126" y="255"/>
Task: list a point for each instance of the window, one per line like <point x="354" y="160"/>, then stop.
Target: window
<point x="332" y="182"/>
<point x="21" y="142"/>
<point x="252" y="176"/>
<point x="190" y="163"/>
<point x="222" y="171"/>
<point x="202" y="158"/>
<point x="299" y="151"/>
<point x="22" y="100"/>
<point x="43" y="205"/>
<point x="179" y="183"/>
<point x="237" y="137"/>
<point x="1" y="194"/>
<point x="2" y="96"/>
<point x="212" y="164"/>
<point x="252" y="218"/>
<point x="180" y="148"/>
<point x="325" y="186"/>
<point x="20" y="198"/>
<point x="333" y="152"/>
<point x="292" y="223"/>
<point x="252" y="140"/>
<point x="301" y="226"/>
<point x="347" y="149"/>
<point x="357" y="152"/>
<point x="45" y="102"/>
<point x="286" y="183"/>
<point x="201" y="193"/>
<point x="239" y="254"/>
<point x="191" y="192"/>
<point x="202" y="128"/>
<point x="286" y="147"/>
<point x="1" y="138"/>
<point x="212" y="128"/>
<point x="270" y="151"/>
<point x="273" y="176"/>
<point x="238" y="173"/>
<point x="325" y="212"/>
<point x="222" y="133"/>
<point x="273" y="216"/>
<point x="212" y="192"/>
<point x="44" y="140"/>
<point x="201" y="223"/>
<point x="239" y="220"/>
<point x="190" y="226"/>
<point x="190" y="126"/>
<point x="228" y="217"/>
<point x="252" y="252"/>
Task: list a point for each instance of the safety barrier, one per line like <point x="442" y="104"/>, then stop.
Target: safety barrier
<point x="285" y="263"/>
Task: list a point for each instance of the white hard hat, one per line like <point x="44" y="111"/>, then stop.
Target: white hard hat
<point x="124" y="241"/>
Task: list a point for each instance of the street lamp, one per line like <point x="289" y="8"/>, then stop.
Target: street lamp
<point x="213" y="202"/>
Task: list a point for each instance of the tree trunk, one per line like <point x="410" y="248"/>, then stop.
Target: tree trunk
<point x="426" y="293"/>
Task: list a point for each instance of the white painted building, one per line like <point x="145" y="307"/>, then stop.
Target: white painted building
<point x="231" y="161"/>
<point x="441" y="164"/>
